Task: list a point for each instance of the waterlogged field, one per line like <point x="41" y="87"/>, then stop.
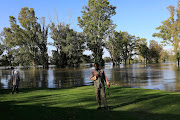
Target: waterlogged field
<point x="154" y="76"/>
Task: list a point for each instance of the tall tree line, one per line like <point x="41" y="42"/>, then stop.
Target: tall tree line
<point x="123" y="47"/>
<point x="26" y="43"/>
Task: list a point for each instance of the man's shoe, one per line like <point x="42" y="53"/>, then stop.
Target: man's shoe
<point x="98" y="108"/>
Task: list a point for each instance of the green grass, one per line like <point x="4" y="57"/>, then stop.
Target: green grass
<point x="79" y="103"/>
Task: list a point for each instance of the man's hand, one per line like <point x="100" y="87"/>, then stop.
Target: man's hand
<point x="108" y="86"/>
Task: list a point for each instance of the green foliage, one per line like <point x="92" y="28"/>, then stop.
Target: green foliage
<point x="96" y="23"/>
<point x="143" y="49"/>
<point x="5" y="60"/>
<point x="164" y="56"/>
<point x="169" y="30"/>
<point x="107" y="59"/>
<point x="155" y="50"/>
<point x="31" y="39"/>
<point x="151" y="53"/>
<point x="2" y="48"/>
<point x="69" y="45"/>
<point x="128" y="45"/>
<point x="113" y="45"/>
<point x="135" y="60"/>
<point x="121" y="46"/>
<point x="42" y="43"/>
<point x="87" y="59"/>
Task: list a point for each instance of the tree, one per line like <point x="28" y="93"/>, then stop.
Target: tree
<point x="107" y="59"/>
<point x="113" y="45"/>
<point x="96" y="23"/>
<point x="127" y="46"/>
<point x="7" y="54"/>
<point x="170" y="29"/>
<point x="2" y="47"/>
<point x="58" y="34"/>
<point x="69" y="45"/>
<point x="28" y="21"/>
<point x="155" y="50"/>
<point x="28" y="37"/>
<point x="143" y="49"/>
<point x="164" y="55"/>
<point x="132" y="46"/>
<point x="42" y="44"/>
<point x="74" y="48"/>
<point x="121" y="46"/>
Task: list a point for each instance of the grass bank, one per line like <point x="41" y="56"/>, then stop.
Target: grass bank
<point x="79" y="103"/>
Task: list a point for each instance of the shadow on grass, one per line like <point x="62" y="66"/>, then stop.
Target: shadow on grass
<point x="37" y="110"/>
<point x="28" y="112"/>
<point x="26" y="90"/>
<point x="143" y="98"/>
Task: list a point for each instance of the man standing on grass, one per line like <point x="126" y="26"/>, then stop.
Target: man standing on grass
<point x="99" y="77"/>
<point x="15" y="81"/>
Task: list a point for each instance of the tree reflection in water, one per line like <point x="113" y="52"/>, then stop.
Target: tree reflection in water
<point x="154" y="76"/>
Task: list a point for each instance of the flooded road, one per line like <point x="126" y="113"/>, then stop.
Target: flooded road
<point x="154" y="76"/>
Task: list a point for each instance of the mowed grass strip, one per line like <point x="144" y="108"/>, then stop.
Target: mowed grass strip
<point x="79" y="104"/>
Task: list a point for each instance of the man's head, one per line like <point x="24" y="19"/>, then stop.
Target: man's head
<point x="96" y="65"/>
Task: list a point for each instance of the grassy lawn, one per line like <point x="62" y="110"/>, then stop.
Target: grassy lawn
<point x="79" y="103"/>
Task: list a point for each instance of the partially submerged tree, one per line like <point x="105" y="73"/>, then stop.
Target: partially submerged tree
<point x="143" y="49"/>
<point x="155" y="50"/>
<point x="58" y="34"/>
<point x="42" y="44"/>
<point x="164" y="56"/>
<point x="28" y="37"/>
<point x="170" y="29"/>
<point x="95" y="22"/>
<point x="69" y="45"/>
<point x="113" y="45"/>
<point x="121" y="46"/>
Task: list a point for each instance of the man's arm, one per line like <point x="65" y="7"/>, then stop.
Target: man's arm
<point x="107" y="81"/>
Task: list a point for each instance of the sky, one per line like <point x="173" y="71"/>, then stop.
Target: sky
<point x="137" y="17"/>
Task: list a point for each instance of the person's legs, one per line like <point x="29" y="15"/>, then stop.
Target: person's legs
<point x="97" y="93"/>
<point x="103" y="94"/>
<point x="98" y="98"/>
<point x="17" y="89"/>
<point x="13" y="90"/>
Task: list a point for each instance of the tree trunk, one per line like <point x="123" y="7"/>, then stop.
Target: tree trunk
<point x="156" y="59"/>
<point x="113" y="62"/>
<point x="33" y="63"/>
<point x="178" y="62"/>
<point x="146" y="61"/>
<point x="125" y="62"/>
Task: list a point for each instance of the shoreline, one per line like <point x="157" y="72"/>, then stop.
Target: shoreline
<point x="111" y="84"/>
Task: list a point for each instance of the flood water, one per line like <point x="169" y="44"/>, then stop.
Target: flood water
<point x="164" y="76"/>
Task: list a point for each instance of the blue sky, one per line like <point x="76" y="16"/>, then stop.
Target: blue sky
<point x="137" y="17"/>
